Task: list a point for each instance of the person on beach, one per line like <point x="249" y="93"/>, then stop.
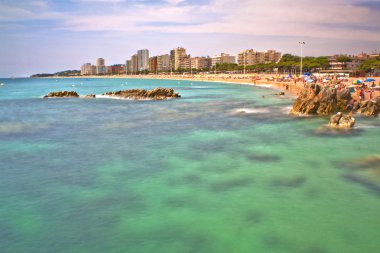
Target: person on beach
<point x="350" y="105"/>
<point x="362" y="94"/>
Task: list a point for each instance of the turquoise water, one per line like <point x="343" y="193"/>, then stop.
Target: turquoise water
<point x="187" y="175"/>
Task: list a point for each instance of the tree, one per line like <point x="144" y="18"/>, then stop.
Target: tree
<point x="343" y="59"/>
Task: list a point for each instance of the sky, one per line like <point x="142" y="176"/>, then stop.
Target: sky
<point x="47" y="36"/>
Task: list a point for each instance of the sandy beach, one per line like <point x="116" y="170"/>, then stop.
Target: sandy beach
<point x="293" y="85"/>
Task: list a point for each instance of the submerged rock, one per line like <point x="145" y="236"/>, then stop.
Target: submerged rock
<point x="155" y="94"/>
<point x="340" y="120"/>
<point x="62" y="94"/>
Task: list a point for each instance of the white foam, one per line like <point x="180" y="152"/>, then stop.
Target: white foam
<point x="200" y="87"/>
<point x="120" y="98"/>
<point x="286" y="110"/>
<point x="252" y="110"/>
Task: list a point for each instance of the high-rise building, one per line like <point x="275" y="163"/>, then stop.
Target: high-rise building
<point x="251" y="57"/>
<point x="86" y="69"/>
<point x="100" y="67"/>
<point x="179" y="59"/>
<point x="222" y="58"/>
<point x="163" y="62"/>
<point x="128" y="67"/>
<point x="143" y="59"/>
<point x="200" y="62"/>
<point x="153" y="64"/>
<point x="134" y="64"/>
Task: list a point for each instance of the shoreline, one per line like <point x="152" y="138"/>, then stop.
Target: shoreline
<point x="291" y="86"/>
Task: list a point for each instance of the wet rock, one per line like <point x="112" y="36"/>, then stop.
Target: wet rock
<point x="62" y="94"/>
<point x="340" y="120"/>
<point x="370" y="107"/>
<point x="141" y="94"/>
<point x="315" y="99"/>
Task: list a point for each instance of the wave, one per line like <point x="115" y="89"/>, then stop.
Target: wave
<point x="252" y="110"/>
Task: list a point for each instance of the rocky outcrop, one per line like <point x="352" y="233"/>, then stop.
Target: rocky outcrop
<point x="370" y="107"/>
<point x="62" y="94"/>
<point x="316" y="99"/>
<point x="341" y="121"/>
<point x="137" y="94"/>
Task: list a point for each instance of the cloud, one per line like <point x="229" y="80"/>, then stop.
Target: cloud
<point x="102" y="1"/>
<point x="174" y="2"/>
<point x="322" y="19"/>
<point x="349" y="19"/>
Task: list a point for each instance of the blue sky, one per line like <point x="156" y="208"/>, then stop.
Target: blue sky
<point x="39" y="36"/>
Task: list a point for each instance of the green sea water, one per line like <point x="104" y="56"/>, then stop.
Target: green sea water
<point x="222" y="169"/>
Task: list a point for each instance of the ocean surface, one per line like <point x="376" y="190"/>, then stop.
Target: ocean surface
<point x="222" y="169"/>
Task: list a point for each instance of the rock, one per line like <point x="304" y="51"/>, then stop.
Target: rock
<point x="155" y="94"/>
<point x="342" y="121"/>
<point x="90" y="96"/>
<point x="62" y="94"/>
<point x="370" y="107"/>
<point x="315" y="99"/>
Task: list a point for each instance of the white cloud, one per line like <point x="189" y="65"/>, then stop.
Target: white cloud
<point x="174" y="2"/>
<point x="307" y="18"/>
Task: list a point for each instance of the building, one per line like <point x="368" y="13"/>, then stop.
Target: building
<point x="128" y="67"/>
<point x="179" y="59"/>
<point x="142" y="59"/>
<point x="153" y="64"/>
<point x="353" y="63"/>
<point x="116" y="69"/>
<point x="251" y="57"/>
<point x="163" y="62"/>
<point x="100" y="67"/>
<point x="86" y="69"/>
<point x="272" y="56"/>
<point x="201" y="62"/>
<point x="222" y="58"/>
<point x="134" y="64"/>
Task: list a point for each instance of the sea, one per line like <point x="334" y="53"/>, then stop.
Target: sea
<point x="224" y="168"/>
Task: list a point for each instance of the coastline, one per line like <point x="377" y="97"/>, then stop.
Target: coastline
<point x="291" y="87"/>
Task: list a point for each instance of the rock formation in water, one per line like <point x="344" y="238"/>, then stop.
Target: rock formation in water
<point x="62" y="94"/>
<point x="315" y="99"/>
<point x="341" y="121"/>
<point x="155" y="94"/>
<point x="327" y="100"/>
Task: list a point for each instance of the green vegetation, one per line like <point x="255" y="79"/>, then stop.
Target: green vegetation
<point x="343" y="59"/>
<point x="371" y="65"/>
<point x="61" y="73"/>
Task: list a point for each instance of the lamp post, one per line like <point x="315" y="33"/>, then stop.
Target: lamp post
<point x="301" y="43"/>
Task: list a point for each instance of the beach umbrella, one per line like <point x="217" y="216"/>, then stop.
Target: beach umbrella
<point x="369" y="80"/>
<point x="357" y="81"/>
